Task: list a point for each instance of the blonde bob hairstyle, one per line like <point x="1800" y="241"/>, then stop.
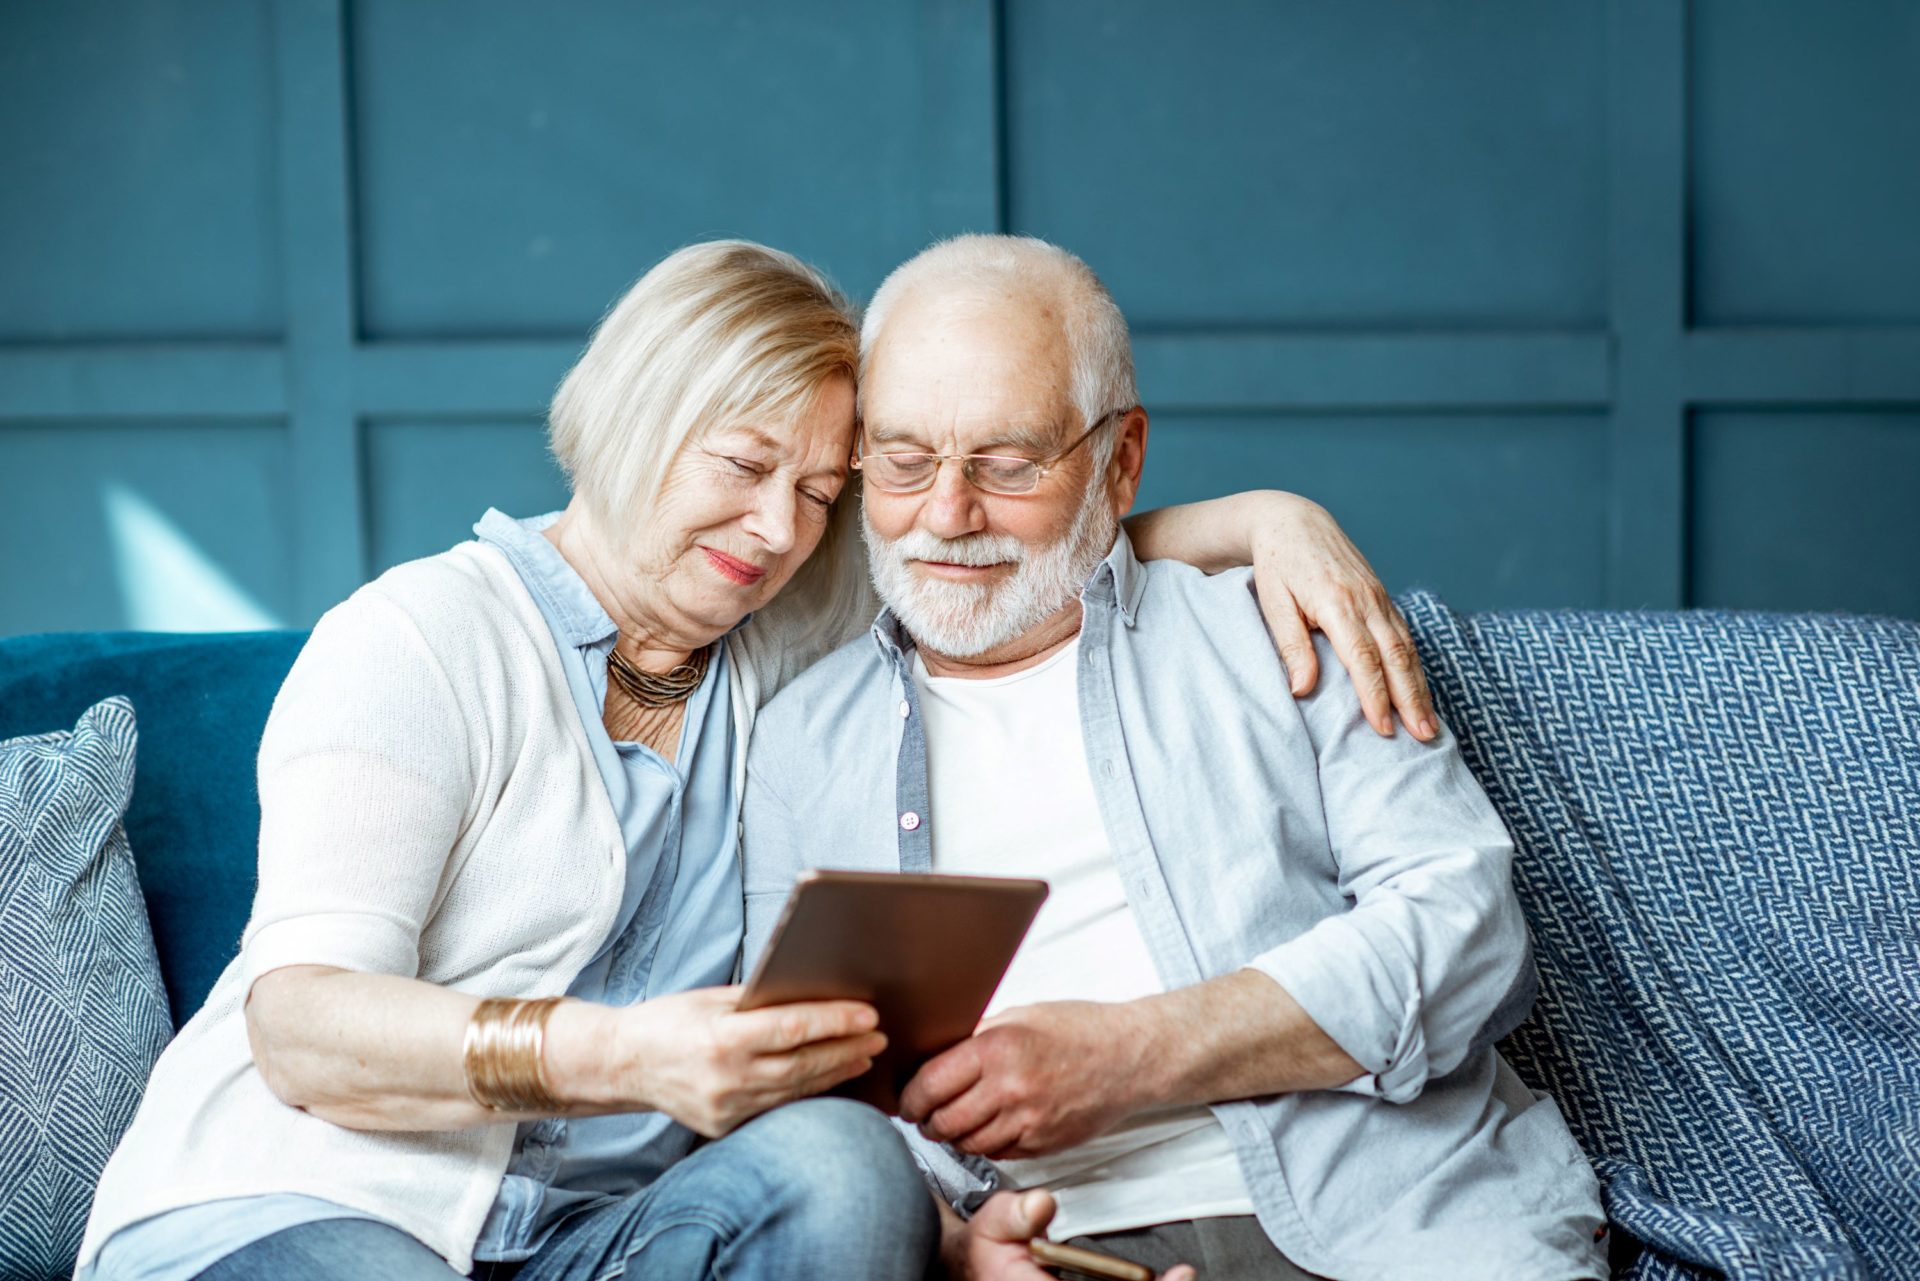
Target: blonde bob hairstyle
<point x="715" y="334"/>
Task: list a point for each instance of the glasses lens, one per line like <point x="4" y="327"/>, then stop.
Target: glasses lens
<point x="902" y="472"/>
<point x="1003" y="475"/>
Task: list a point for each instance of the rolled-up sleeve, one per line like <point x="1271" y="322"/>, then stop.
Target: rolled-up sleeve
<point x="1432" y="953"/>
<point x="365" y="779"/>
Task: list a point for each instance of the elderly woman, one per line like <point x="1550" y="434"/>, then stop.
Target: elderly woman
<point x="480" y="1021"/>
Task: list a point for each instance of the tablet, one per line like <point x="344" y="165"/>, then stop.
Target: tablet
<point x="925" y="951"/>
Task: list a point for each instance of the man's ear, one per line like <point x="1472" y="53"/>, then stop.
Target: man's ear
<point x="1129" y="457"/>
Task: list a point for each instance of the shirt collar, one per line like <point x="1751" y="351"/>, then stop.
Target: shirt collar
<point x="1115" y="584"/>
<point x="546" y="573"/>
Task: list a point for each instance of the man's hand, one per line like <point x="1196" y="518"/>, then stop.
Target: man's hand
<point x="992" y="1245"/>
<point x="1033" y="1080"/>
<point x="1310" y="575"/>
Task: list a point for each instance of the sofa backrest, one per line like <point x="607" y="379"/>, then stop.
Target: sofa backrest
<point x="1717" y="819"/>
<point x="200" y="703"/>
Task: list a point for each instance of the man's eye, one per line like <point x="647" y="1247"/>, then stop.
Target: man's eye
<point x="1001" y="469"/>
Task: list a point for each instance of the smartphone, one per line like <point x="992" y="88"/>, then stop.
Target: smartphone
<point x="1074" y="1261"/>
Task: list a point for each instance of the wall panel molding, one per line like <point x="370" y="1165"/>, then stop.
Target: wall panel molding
<point x="963" y="98"/>
<point x="1642" y="374"/>
<point x="1808" y="367"/>
<point x="329" y="533"/>
<point x="169" y="380"/>
<point x="1646" y="59"/>
<point x="1253" y="371"/>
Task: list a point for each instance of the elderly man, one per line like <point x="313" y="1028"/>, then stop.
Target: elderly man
<point x="1252" y="1027"/>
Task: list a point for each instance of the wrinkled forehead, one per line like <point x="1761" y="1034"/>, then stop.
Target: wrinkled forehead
<point x="815" y="422"/>
<point x="967" y="361"/>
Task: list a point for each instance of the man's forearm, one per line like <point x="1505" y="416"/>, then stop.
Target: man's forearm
<point x="1238" y="1036"/>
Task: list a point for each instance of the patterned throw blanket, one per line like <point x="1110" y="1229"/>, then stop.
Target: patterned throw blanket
<point x="1718" y="827"/>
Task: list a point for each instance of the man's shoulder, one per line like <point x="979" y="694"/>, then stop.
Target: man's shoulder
<point x="1174" y="594"/>
<point x="1182" y="610"/>
<point x="815" y="705"/>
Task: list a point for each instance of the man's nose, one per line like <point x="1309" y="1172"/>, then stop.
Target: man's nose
<point x="952" y="508"/>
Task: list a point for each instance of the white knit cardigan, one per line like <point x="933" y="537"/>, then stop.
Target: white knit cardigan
<point x="429" y="807"/>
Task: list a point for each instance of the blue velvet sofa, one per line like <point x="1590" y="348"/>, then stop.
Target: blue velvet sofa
<point x="1718" y="823"/>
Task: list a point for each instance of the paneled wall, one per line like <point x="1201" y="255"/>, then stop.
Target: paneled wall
<point x="1554" y="303"/>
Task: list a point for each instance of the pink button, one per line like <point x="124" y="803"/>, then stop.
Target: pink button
<point x="910" y="821"/>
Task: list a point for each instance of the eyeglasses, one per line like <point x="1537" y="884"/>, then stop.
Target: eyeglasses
<point x="994" y="473"/>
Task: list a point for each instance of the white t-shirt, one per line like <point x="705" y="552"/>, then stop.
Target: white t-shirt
<point x="1012" y="796"/>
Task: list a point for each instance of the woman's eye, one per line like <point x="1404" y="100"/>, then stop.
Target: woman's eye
<point x="819" y="500"/>
<point x="745" y="466"/>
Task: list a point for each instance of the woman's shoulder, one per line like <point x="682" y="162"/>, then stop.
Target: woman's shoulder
<point x="461" y="616"/>
<point x="466" y="591"/>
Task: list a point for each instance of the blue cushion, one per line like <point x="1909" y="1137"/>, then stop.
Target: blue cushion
<point x="195" y="817"/>
<point x="1717" y="818"/>
<point x="82" y="1012"/>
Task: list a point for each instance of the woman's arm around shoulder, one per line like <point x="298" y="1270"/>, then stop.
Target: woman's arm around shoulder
<point x="1309" y="576"/>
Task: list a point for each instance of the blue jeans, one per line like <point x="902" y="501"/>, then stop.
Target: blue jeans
<point x="823" y="1187"/>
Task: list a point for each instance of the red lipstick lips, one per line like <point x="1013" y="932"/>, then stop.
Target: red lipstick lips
<point x="731" y="567"/>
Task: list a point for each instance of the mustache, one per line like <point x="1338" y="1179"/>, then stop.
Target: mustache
<point x="976" y="549"/>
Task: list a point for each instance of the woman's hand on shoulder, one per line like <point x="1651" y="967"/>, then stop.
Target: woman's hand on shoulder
<point x="711" y="1066"/>
<point x="1310" y="576"/>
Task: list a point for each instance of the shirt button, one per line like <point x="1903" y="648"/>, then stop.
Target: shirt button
<point x="1109" y="769"/>
<point x="910" y="821"/>
<point x="906" y="709"/>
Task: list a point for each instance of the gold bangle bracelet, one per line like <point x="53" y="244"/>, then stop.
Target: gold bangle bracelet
<point x="503" y="1055"/>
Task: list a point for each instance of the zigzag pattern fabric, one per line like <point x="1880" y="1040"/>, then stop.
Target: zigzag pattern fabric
<point x="1717" y="819"/>
<point x="83" y="1015"/>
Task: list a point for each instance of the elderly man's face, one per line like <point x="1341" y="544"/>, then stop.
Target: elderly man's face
<point x="968" y="571"/>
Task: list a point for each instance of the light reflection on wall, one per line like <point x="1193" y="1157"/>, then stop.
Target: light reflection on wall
<point x="167" y="584"/>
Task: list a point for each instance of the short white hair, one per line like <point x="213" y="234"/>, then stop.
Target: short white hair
<point x="1100" y="354"/>
<point x="715" y="334"/>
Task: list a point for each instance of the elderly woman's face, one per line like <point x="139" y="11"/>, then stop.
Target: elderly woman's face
<point x="745" y="505"/>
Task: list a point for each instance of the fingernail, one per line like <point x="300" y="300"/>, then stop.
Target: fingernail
<point x="1427" y="729"/>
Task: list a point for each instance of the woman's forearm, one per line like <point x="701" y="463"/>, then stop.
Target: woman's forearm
<point x="1211" y="535"/>
<point x="381" y="1052"/>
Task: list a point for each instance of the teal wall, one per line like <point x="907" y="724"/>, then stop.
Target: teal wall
<point x="1554" y="302"/>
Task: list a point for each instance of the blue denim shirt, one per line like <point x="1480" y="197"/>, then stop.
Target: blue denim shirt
<point x="678" y="928"/>
<point x="1370" y="877"/>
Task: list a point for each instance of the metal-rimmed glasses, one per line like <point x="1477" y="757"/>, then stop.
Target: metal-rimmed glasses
<point x="910" y="473"/>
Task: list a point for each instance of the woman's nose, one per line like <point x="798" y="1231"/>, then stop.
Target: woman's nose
<point x="774" y="518"/>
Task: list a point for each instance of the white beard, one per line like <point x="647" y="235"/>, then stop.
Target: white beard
<point x="964" y="620"/>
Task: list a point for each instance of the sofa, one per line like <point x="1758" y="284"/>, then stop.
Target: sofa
<point x="1717" y="818"/>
